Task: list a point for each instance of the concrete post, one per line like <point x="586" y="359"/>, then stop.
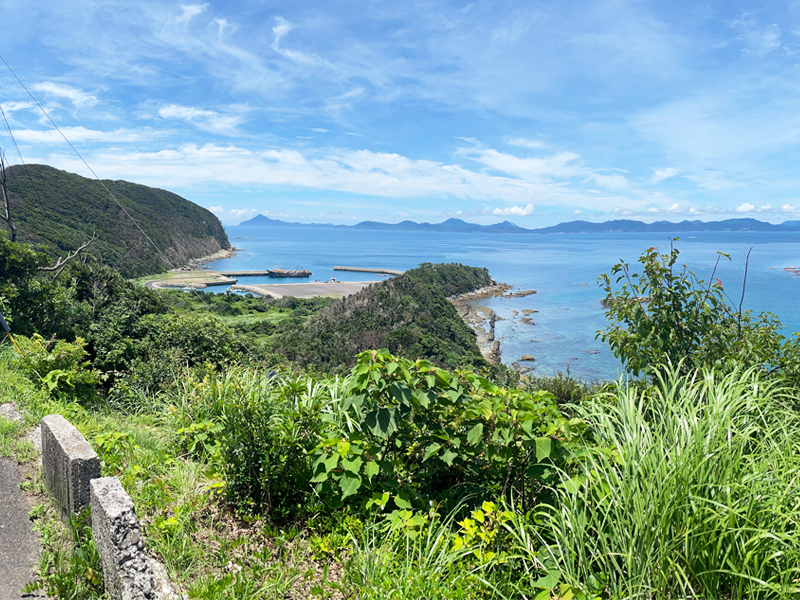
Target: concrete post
<point x="127" y="570"/>
<point x="69" y="463"/>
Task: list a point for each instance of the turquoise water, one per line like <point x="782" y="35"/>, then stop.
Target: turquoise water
<point x="563" y="269"/>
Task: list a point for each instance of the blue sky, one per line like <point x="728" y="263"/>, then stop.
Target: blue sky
<point x="336" y="111"/>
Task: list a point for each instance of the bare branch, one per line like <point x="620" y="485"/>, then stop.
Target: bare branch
<point x="62" y="262"/>
<point x="744" y="286"/>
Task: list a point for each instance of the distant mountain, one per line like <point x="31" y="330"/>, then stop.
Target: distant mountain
<point x="627" y="226"/>
<point x="616" y="226"/>
<point x="61" y="210"/>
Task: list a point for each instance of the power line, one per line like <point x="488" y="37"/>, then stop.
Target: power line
<point x="124" y="210"/>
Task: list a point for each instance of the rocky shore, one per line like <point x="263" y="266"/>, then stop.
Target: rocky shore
<point x="482" y="319"/>
<point x="198" y="263"/>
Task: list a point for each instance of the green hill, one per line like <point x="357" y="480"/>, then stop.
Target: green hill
<point x="62" y="210"/>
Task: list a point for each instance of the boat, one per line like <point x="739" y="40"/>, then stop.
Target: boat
<point x="298" y="272"/>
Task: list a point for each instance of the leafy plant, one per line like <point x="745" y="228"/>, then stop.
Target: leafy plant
<point x="412" y="433"/>
<point x="61" y="367"/>
<point x="665" y="314"/>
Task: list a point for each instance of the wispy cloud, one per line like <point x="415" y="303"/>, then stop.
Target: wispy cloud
<point x="660" y="175"/>
<point x="208" y="120"/>
<point x="526" y="143"/>
<point x="78" y="98"/>
<point x="82" y="134"/>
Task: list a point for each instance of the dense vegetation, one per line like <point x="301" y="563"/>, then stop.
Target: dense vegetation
<point x="403" y="480"/>
<point x="61" y="211"/>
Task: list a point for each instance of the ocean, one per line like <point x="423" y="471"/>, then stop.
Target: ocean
<point x="563" y="269"/>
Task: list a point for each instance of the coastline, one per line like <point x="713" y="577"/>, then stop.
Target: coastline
<point x="482" y="319"/>
<point x="199" y="263"/>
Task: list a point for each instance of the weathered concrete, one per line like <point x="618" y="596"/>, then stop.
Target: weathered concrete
<point x="69" y="463"/>
<point x="127" y="571"/>
<point x="9" y="411"/>
<point x="18" y="542"/>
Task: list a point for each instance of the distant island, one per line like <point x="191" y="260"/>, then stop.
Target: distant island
<point x="616" y="226"/>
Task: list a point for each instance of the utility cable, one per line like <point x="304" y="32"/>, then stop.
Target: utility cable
<point x="124" y="210"/>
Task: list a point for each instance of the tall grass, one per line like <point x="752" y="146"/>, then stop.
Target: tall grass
<point x="702" y="500"/>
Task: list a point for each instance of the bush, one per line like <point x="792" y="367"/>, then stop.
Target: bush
<point x="663" y="315"/>
<point x="60" y="366"/>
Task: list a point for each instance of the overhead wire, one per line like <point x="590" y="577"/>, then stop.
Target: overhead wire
<point x="127" y="214"/>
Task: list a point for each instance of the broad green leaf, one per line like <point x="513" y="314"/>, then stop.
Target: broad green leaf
<point x="382" y="422"/>
<point x="431" y="450"/>
<point x="343" y="447"/>
<point x="402" y="500"/>
<point x="371" y="469"/>
<point x="544" y="446"/>
<point x="331" y="462"/>
<point x="349" y="484"/>
<point x="353" y="465"/>
<point x="475" y="434"/>
<point x="322" y="476"/>
<point x="400" y="393"/>
<point x="549" y="581"/>
<point x="391" y="368"/>
<point x="448" y="456"/>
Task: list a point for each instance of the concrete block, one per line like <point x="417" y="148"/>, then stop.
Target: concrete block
<point x="69" y="463"/>
<point x="127" y="570"/>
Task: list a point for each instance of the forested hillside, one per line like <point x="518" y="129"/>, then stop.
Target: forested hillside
<point x="62" y="210"/>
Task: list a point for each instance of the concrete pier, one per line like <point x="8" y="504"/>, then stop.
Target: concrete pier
<point x="369" y="270"/>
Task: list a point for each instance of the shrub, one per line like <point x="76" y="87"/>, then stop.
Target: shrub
<point x="60" y="366"/>
<point x="665" y="315"/>
<point x="407" y="434"/>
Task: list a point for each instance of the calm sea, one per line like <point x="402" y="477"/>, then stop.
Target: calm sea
<point x="563" y="269"/>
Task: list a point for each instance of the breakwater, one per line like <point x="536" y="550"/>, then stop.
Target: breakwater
<point x="369" y="270"/>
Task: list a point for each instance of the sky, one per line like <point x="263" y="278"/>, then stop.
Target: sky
<point x="342" y="111"/>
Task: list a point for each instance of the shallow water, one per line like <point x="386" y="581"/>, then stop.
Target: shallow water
<point x="563" y="269"/>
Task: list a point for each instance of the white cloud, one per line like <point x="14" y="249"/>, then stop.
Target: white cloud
<point x="517" y="211"/>
<point x="78" y="97"/>
<point x="660" y="175"/>
<point x="674" y="208"/>
<point x="525" y="143"/>
<point x="377" y="174"/>
<point x="233" y="216"/>
<point x="746" y="207"/>
<point x="207" y="120"/>
<point x="577" y="211"/>
<point x="82" y="134"/>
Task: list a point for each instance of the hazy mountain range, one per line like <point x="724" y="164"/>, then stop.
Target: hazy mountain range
<point x="616" y="226"/>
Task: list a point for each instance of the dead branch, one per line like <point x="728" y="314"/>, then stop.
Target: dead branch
<point x="62" y="262"/>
